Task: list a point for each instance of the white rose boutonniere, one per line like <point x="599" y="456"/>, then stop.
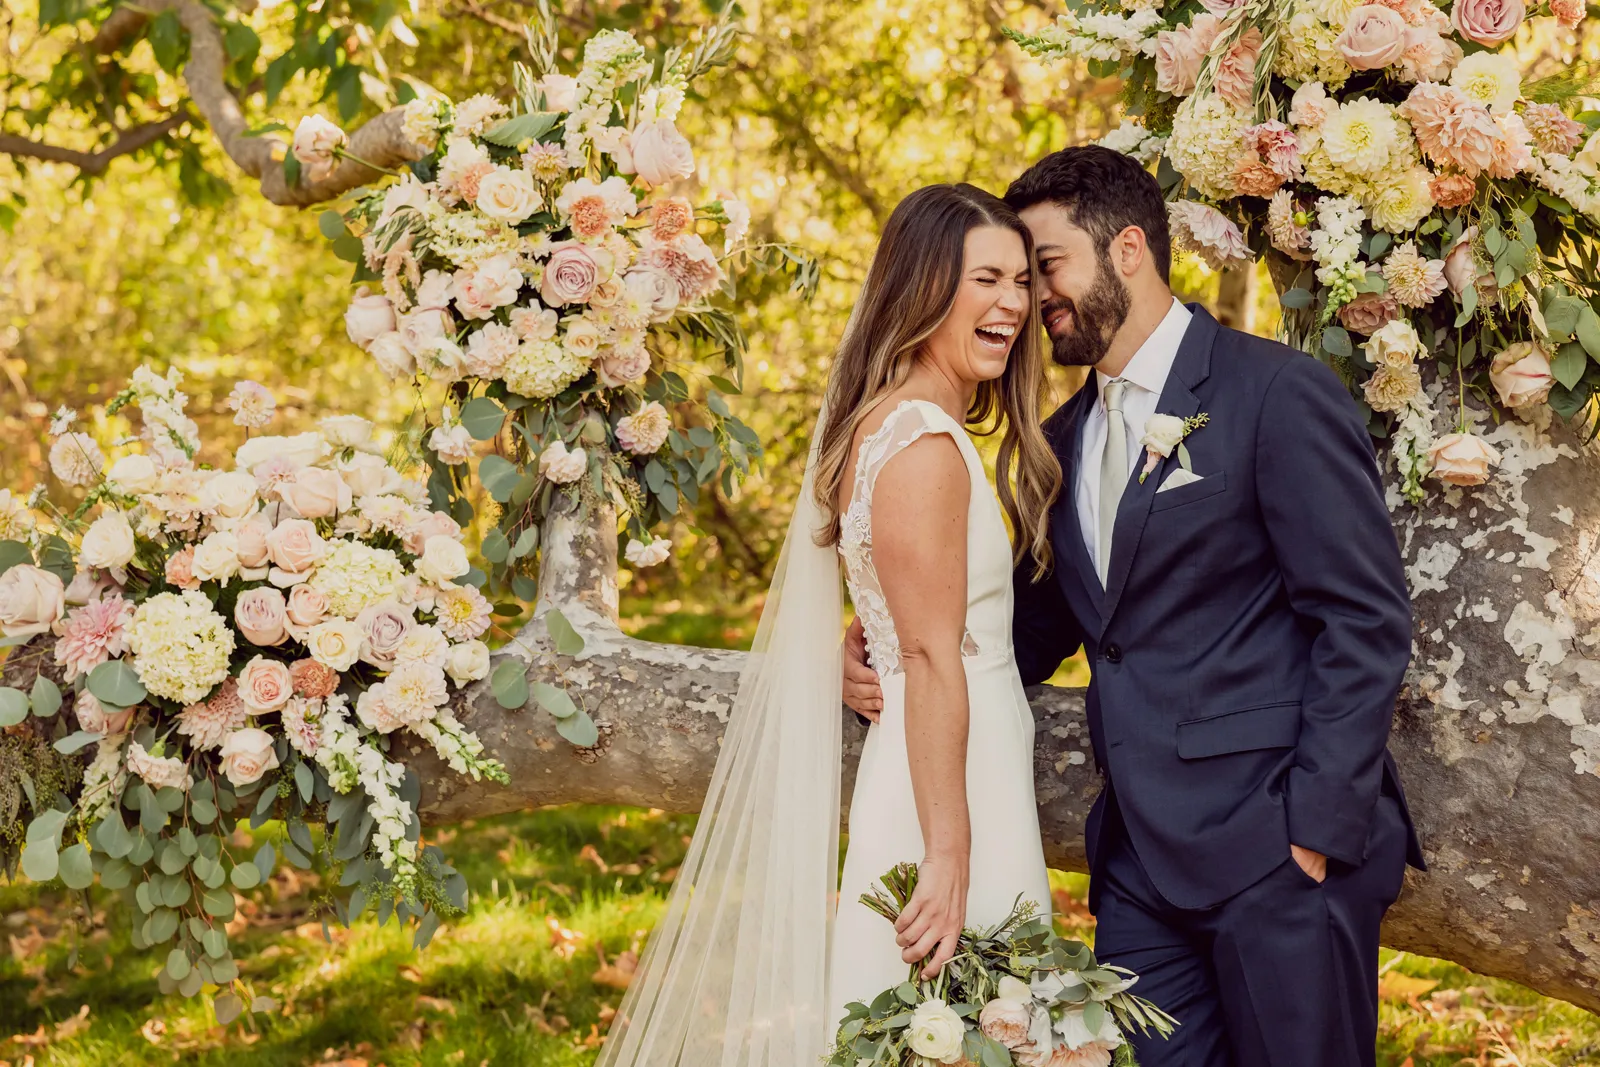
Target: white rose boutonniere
<point x="1162" y="434"/>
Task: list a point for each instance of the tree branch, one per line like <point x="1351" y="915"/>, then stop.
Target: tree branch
<point x="124" y="24"/>
<point x="95" y="163"/>
<point x="484" y="15"/>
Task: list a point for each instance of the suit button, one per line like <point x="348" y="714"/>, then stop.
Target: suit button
<point x="1113" y="653"/>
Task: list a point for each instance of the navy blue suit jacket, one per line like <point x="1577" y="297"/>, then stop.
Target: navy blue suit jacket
<point x="1254" y="628"/>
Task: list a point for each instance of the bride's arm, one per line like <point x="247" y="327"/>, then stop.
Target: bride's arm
<point x="919" y="549"/>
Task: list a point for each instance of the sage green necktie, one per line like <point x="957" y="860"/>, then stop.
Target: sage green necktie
<point x="1113" y="475"/>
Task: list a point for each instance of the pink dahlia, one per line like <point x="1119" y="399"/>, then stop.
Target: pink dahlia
<point x="208" y="722"/>
<point x="93" y="634"/>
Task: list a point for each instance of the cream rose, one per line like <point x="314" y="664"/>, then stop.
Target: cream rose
<point x="368" y="475"/>
<point x="316" y="493"/>
<point x="1487" y="22"/>
<point x="306" y="608"/>
<point x="467" y="662"/>
<point x="1162" y="433"/>
<point x="582" y="338"/>
<point x="369" y="316"/>
<point x="431" y="524"/>
<point x="108" y="543"/>
<point x="570" y="276"/>
<point x="216" y="559"/>
<point x="508" y="195"/>
<point x="660" y="153"/>
<point x="260" y="614"/>
<point x="335" y="643"/>
<point x="246" y="755"/>
<point x="250" y="538"/>
<point x="1463" y="459"/>
<point x="93" y="717"/>
<point x="560" y="91"/>
<point x="230" y="494"/>
<point x="1006" y="1021"/>
<point x="348" y="431"/>
<point x="133" y="474"/>
<point x="1521" y="374"/>
<point x="301" y="450"/>
<point x="936" y="1031"/>
<point x="443" y="560"/>
<point x="295" y="546"/>
<point x="316" y="145"/>
<point x="423" y="329"/>
<point x="265" y="685"/>
<point x="394" y="358"/>
<point x="384" y="626"/>
<point x="1394" y="345"/>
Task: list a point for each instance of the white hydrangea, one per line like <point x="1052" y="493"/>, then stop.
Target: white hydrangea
<point x="1308" y="51"/>
<point x="542" y="369"/>
<point x="354" y="575"/>
<point x="1207" y="140"/>
<point x="180" y="645"/>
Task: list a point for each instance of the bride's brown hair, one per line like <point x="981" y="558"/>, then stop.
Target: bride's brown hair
<point x="909" y="290"/>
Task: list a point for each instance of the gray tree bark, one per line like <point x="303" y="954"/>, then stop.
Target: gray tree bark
<point x="1497" y="730"/>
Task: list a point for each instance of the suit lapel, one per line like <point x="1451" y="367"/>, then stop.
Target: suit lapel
<point x="1069" y="450"/>
<point x="1191" y="367"/>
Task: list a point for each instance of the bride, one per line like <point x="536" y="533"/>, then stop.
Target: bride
<point x="751" y="966"/>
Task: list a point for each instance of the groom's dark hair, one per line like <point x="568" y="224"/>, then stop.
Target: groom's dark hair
<point x="1104" y="192"/>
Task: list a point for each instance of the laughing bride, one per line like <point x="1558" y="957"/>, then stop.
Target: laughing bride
<point x="752" y="964"/>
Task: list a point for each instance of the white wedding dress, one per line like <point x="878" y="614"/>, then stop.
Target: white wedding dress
<point x="1007" y="857"/>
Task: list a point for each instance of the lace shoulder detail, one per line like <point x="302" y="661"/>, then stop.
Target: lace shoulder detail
<point x="907" y="423"/>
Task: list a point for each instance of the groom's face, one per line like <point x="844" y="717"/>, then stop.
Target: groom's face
<point x="1082" y="299"/>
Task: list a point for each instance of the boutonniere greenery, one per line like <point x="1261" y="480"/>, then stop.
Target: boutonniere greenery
<point x="1162" y="434"/>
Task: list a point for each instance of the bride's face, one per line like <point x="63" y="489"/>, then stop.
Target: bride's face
<point x="991" y="304"/>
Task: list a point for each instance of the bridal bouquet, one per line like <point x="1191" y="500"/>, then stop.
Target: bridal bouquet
<point x="235" y="644"/>
<point x="537" y="263"/>
<point x="1430" y="219"/>
<point x="1016" y="994"/>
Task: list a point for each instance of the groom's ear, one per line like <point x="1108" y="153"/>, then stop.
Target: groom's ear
<point x="1129" y="251"/>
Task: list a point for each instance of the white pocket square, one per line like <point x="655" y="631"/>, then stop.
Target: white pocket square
<point x="1179" y="477"/>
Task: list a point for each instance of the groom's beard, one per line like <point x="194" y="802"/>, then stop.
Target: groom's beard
<point x="1096" y="318"/>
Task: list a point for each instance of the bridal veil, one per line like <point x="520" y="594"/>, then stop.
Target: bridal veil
<point x="735" y="971"/>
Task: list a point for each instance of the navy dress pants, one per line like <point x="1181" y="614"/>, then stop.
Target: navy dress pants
<point x="1284" y="974"/>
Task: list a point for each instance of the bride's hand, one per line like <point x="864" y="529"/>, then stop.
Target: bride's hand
<point x="933" y="917"/>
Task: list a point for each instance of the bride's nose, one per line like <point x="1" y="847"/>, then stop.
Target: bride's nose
<point x="1013" y="298"/>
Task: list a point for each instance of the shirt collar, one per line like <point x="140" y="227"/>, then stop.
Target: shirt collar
<point x="1150" y="365"/>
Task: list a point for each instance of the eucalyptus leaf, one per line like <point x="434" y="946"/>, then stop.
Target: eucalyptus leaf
<point x="579" y="730"/>
<point x="178" y="964"/>
<point x="46" y="697"/>
<point x="1336" y="341"/>
<point x="77" y="871"/>
<point x="509" y="683"/>
<point x="13" y="706"/>
<point x="568" y="641"/>
<point x="483" y="418"/>
<point x="114" y="682"/>
<point x="218" y="903"/>
<point x="227" y="1008"/>
<point x="554" y="699"/>
<point x="244" y="876"/>
<point x="499" y="477"/>
<point x="73" y="742"/>
<point x="305" y="781"/>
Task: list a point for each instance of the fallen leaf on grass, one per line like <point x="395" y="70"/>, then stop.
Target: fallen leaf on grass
<point x="438" y="1004"/>
<point x="153" y="1031"/>
<point x="66" y="1028"/>
<point x="588" y="854"/>
<point x="1396" y="986"/>
<point x="618" y="974"/>
<point x="563" y="941"/>
<point x="592" y="1040"/>
<point x="410" y="974"/>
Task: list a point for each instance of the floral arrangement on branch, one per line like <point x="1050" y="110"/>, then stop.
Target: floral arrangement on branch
<point x="234" y="645"/>
<point x="1014" y="996"/>
<point x="1421" y="208"/>
<point x="536" y="263"/>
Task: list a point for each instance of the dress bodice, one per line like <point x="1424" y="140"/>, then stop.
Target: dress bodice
<point x="988" y="629"/>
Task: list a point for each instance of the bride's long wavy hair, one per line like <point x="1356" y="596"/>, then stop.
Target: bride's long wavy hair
<point x="910" y="288"/>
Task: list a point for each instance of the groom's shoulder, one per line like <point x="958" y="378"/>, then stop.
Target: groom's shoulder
<point x="1258" y="362"/>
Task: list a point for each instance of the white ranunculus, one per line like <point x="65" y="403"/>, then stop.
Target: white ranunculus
<point x="660" y="153"/>
<point x="369" y="316"/>
<point x="1395" y="344"/>
<point x="508" y="195"/>
<point x="216" y="559"/>
<point x="936" y="1031"/>
<point x="1162" y="433"/>
<point x="108" y="543"/>
<point x="443" y="560"/>
<point x="467" y="662"/>
<point x="1014" y="989"/>
<point x="560" y="91"/>
<point x="301" y="450"/>
<point x="349" y="431"/>
<point x="231" y="494"/>
<point x="133" y="474"/>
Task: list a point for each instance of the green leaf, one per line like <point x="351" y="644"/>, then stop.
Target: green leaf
<point x="554" y="699"/>
<point x="215" y="942"/>
<point x="241" y="42"/>
<point x="1561" y="316"/>
<point x="483" y="418"/>
<point x="509" y="683"/>
<point x="265" y="860"/>
<point x="1377" y="245"/>
<point x="218" y="903"/>
<point x="114" y="682"/>
<point x="178" y="964"/>
<point x="227" y="1008"/>
<point x="526" y="542"/>
<point x="74" y="741"/>
<point x="1569" y="364"/>
<point x="568" y="641"/>
<point x="40" y="861"/>
<point x="244" y="876"/>
<point x="166" y="40"/>
<point x="348" y="247"/>
<point x="578" y="729"/>
<point x="331" y="223"/>
<point x="499" y="477"/>
<point x="204" y="812"/>
<point x="46" y="826"/>
<point x="529" y="126"/>
<point x="46" y="697"/>
<point x="161" y="925"/>
<point x="1336" y="341"/>
<point x="1296" y="298"/>
<point x="12" y="553"/>
<point x="1494" y="242"/>
<point x="304" y="781"/>
<point x="495" y="546"/>
<point x="13" y="706"/>
<point x="1589" y="332"/>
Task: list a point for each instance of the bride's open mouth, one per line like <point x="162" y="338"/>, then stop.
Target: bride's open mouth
<point x="996" y="336"/>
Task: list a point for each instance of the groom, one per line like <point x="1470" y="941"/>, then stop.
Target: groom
<point x="1247" y="623"/>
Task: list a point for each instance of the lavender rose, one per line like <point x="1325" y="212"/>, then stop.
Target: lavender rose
<point x="571" y="275"/>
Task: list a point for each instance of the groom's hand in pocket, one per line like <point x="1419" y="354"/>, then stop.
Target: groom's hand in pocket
<point x="1315" y="864"/>
<point x="861" y="690"/>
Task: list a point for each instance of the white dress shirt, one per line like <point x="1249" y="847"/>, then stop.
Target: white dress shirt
<point x="1146" y="376"/>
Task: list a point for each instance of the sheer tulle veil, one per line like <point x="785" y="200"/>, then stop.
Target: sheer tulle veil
<point x="735" y="971"/>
